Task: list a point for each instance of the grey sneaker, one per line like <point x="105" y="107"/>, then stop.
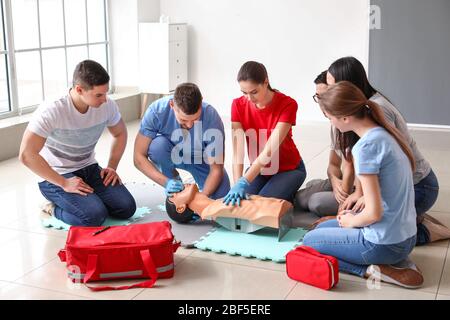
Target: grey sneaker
<point x="438" y="231"/>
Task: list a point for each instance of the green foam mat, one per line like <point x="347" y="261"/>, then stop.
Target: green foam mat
<point x="262" y="244"/>
<point x="58" y="224"/>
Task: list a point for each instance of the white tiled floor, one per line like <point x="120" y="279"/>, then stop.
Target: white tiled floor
<point x="30" y="269"/>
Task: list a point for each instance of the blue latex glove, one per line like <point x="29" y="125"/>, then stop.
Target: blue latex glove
<point x="237" y="193"/>
<point x="173" y="186"/>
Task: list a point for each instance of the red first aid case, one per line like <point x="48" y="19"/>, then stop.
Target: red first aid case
<point x="307" y="265"/>
<point x="120" y="252"/>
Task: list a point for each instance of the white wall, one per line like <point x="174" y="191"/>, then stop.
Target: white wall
<point x="124" y="17"/>
<point x="295" y="39"/>
<point x="148" y="10"/>
<point x="123" y="26"/>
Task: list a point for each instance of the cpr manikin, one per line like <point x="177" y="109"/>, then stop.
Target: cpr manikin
<point x="253" y="214"/>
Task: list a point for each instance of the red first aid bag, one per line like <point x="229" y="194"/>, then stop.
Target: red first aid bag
<point x="120" y="252"/>
<point x="307" y="265"/>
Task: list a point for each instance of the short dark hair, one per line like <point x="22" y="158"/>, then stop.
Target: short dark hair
<point x="172" y="212"/>
<point x="89" y="73"/>
<point x="188" y="98"/>
<point x="321" y="78"/>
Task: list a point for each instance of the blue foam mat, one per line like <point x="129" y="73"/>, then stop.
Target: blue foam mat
<point x="262" y="244"/>
<point x="54" y="223"/>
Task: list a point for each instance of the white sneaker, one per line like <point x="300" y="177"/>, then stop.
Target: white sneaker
<point x="408" y="264"/>
<point x="404" y="277"/>
<point x="47" y="210"/>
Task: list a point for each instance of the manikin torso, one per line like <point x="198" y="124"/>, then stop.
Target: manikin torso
<point x="258" y="210"/>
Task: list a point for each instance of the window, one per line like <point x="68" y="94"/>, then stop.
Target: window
<point x="4" y="90"/>
<point x="41" y="43"/>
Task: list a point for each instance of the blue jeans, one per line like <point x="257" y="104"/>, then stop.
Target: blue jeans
<point x="93" y="209"/>
<point x="426" y="192"/>
<point x="282" y="185"/>
<point x="159" y="152"/>
<point x="354" y="252"/>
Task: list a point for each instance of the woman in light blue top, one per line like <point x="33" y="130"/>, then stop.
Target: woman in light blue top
<point x="383" y="234"/>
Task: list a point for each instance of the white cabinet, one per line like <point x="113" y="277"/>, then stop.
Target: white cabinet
<point x="162" y="56"/>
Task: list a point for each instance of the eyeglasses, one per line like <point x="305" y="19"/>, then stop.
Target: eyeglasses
<point x="316" y="98"/>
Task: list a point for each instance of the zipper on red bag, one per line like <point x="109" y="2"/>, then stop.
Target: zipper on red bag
<point x="168" y="242"/>
<point x="332" y="272"/>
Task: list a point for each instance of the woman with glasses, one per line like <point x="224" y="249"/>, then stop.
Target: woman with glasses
<point x="383" y="234"/>
<point x="321" y="196"/>
<point x="264" y="117"/>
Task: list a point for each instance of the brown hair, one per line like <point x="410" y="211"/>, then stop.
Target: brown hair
<point x="255" y="72"/>
<point x="89" y="73"/>
<point x="188" y="98"/>
<point x="344" y="99"/>
<point x="345" y="140"/>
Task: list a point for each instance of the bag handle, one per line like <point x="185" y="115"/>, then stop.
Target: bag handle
<point x="313" y="252"/>
<point x="148" y="265"/>
<point x="309" y="250"/>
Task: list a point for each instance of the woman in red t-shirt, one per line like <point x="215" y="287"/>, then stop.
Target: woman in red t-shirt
<point x="265" y="117"/>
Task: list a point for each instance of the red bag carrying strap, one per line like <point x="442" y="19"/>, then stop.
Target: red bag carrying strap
<point x="148" y="265"/>
<point x="314" y="252"/>
<point x="309" y="250"/>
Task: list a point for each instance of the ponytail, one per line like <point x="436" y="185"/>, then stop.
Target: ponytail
<point x="346" y="99"/>
<point x="345" y="141"/>
<point x="376" y="114"/>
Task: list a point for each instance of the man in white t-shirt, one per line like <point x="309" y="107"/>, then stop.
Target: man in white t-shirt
<point x="58" y="145"/>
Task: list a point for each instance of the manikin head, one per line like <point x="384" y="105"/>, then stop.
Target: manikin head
<point x="177" y="205"/>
